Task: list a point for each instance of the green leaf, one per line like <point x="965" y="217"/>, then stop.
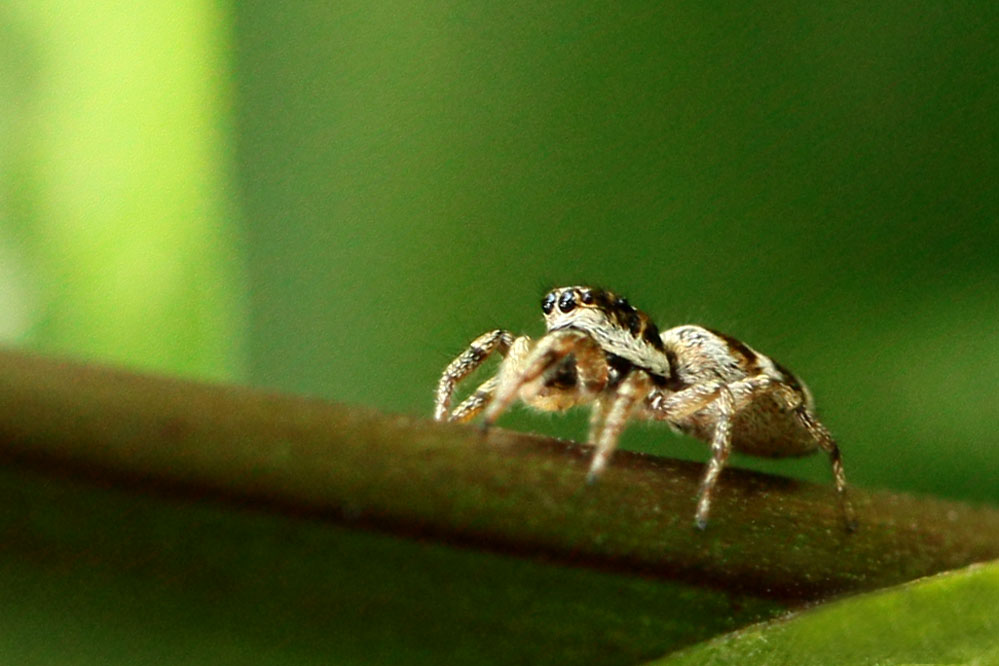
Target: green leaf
<point x="947" y="618"/>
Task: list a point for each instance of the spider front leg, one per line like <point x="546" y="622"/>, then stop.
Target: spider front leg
<point x="477" y="401"/>
<point x="466" y="363"/>
<point x="535" y="377"/>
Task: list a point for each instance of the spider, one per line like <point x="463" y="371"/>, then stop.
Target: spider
<point x="599" y="350"/>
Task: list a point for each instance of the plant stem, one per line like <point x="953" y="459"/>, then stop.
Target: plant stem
<point x="512" y="492"/>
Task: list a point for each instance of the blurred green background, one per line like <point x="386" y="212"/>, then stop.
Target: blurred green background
<point x="334" y="199"/>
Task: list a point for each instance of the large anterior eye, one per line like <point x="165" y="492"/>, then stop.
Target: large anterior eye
<point x="548" y="302"/>
<point x="567" y="301"/>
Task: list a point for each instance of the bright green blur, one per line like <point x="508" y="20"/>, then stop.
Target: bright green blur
<point x="117" y="237"/>
<point x="944" y="619"/>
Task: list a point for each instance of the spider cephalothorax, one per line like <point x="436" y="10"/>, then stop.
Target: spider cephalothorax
<point x="600" y="350"/>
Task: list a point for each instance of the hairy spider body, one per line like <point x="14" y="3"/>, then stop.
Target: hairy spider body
<point x="600" y="350"/>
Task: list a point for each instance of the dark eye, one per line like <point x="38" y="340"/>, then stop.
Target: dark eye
<point x="548" y="302"/>
<point x="567" y="302"/>
<point x="587" y="297"/>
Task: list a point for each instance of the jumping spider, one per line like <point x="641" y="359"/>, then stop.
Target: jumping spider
<point x="600" y="350"/>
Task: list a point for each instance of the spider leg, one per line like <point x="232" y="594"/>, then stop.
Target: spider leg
<point x="598" y="416"/>
<point x="721" y="447"/>
<point x="477" y="401"/>
<point x="795" y="401"/>
<point x="529" y="374"/>
<point x="721" y="398"/>
<point x="682" y="404"/>
<point x="826" y="442"/>
<point x="632" y="389"/>
<point x="592" y="376"/>
<point x="466" y="363"/>
<point x="679" y="405"/>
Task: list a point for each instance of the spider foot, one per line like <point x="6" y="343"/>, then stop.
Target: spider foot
<point x="850" y="523"/>
<point x="596" y="469"/>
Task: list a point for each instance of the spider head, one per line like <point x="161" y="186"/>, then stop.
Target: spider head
<point x="578" y="307"/>
<point x="614" y="323"/>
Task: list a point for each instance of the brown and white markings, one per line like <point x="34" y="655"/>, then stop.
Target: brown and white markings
<point x="601" y="351"/>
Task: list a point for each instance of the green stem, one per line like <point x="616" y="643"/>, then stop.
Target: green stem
<point x="511" y="492"/>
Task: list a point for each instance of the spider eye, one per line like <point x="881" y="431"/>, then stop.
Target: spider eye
<point x="548" y="302"/>
<point x="567" y="302"/>
<point x="587" y="297"/>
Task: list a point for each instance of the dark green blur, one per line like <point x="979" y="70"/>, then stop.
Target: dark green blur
<point x="819" y="181"/>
